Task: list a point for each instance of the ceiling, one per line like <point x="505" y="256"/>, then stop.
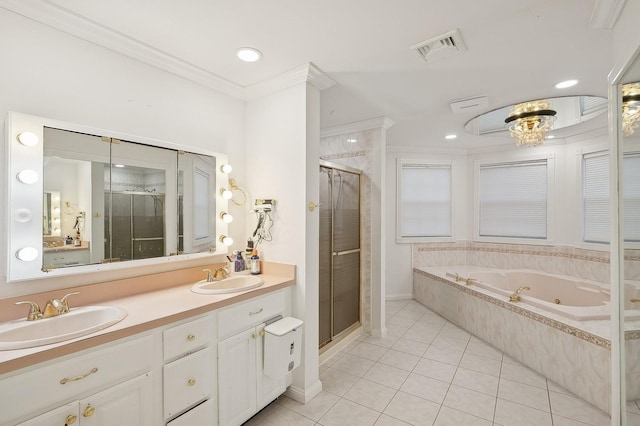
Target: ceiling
<point x="516" y="51"/>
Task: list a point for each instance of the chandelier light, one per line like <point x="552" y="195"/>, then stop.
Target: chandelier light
<point x="630" y="108"/>
<point x="530" y="121"/>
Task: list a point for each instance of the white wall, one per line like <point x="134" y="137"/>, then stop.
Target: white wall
<point x="283" y="137"/>
<point x="565" y="220"/>
<point x="51" y="74"/>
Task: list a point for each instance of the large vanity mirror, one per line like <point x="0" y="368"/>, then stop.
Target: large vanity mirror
<point x="106" y="199"/>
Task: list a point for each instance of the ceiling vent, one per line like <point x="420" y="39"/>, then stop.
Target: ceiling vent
<point x="469" y="105"/>
<point x="443" y="46"/>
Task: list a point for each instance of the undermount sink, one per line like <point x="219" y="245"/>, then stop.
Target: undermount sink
<point x="20" y="334"/>
<point x="228" y="285"/>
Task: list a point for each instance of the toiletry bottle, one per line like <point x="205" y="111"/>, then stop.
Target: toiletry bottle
<point x="68" y="240"/>
<point x="255" y="262"/>
<point x="239" y="265"/>
<point x="77" y="242"/>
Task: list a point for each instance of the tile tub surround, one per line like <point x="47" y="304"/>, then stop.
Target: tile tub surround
<point x="578" y="359"/>
<point x="563" y="260"/>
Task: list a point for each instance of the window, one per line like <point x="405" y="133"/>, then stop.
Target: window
<point x="596" y="199"/>
<point x="512" y="200"/>
<point x="424" y="200"/>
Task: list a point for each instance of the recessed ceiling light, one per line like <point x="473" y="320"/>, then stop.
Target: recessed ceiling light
<point x="566" y="83"/>
<point x="120" y="166"/>
<point x="352" y="140"/>
<point x="248" y="54"/>
<point x="549" y="137"/>
<point x="451" y="136"/>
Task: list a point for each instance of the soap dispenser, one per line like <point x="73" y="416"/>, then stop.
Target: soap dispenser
<point x="239" y="264"/>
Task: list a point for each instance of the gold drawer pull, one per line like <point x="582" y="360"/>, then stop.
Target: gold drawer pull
<point x="191" y="337"/>
<point x="256" y="312"/>
<point x="71" y="419"/>
<point x="192" y="382"/>
<point x="80" y="377"/>
<point x="88" y="412"/>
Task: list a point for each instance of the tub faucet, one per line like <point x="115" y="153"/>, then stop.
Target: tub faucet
<point x="458" y="277"/>
<point x="470" y="281"/>
<point x="515" y="297"/>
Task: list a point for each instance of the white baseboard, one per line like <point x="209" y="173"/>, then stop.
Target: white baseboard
<point x="340" y="345"/>
<point x="379" y="333"/>
<point x="304" y="395"/>
<point x="399" y="296"/>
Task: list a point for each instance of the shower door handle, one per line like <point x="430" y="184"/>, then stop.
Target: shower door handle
<point x="342" y="253"/>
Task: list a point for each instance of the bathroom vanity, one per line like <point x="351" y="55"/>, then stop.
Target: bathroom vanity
<point x="178" y="358"/>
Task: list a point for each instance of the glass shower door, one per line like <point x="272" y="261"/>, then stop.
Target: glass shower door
<point x="339" y="273"/>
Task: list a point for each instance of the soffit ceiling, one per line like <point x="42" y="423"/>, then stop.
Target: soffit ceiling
<point x="516" y="51"/>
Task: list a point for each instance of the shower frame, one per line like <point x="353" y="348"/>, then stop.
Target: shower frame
<point x="334" y="338"/>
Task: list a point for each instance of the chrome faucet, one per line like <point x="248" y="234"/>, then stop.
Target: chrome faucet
<point x="217" y="275"/>
<point x="52" y="308"/>
<point x="515" y="297"/>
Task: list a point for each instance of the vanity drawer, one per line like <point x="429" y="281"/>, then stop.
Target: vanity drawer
<point x="187" y="381"/>
<point x="31" y="391"/>
<point x="203" y="414"/>
<point x="187" y="337"/>
<point x="247" y="314"/>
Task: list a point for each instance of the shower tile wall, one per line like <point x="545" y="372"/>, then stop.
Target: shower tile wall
<point x="576" y="262"/>
<point x="357" y="155"/>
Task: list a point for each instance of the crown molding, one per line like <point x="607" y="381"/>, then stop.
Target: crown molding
<point x="407" y="150"/>
<point x="358" y="126"/>
<point x="52" y="15"/>
<point x="605" y="13"/>
<point x="308" y="73"/>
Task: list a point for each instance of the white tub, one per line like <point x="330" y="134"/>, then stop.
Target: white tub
<point x="573" y="298"/>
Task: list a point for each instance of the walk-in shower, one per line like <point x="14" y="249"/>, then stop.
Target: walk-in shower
<point x="339" y="251"/>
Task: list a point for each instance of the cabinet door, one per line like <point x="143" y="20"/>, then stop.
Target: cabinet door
<point x="268" y="388"/>
<point x="129" y="403"/>
<point x="237" y="378"/>
<point x="66" y="415"/>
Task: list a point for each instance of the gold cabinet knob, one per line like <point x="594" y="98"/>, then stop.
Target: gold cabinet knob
<point x="71" y="419"/>
<point x="191" y="337"/>
<point x="261" y="334"/>
<point x="88" y="412"/>
<point x="192" y="382"/>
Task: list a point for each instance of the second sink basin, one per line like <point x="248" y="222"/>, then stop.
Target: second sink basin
<point x="20" y="334"/>
<point x="228" y="285"/>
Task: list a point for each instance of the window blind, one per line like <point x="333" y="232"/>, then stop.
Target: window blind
<point x="424" y="200"/>
<point x="513" y="200"/>
<point x="596" y="202"/>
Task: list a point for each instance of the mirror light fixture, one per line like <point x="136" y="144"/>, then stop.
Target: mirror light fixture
<point x="227" y="241"/>
<point x="23" y="215"/>
<point x="226" y="217"/>
<point x="226" y="193"/>
<point x="530" y="121"/>
<point x="226" y="168"/>
<point x="28" y="139"/>
<point x="630" y="108"/>
<point x="27" y="254"/>
<point x="28" y="176"/>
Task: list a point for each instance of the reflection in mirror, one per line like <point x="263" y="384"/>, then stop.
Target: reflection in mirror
<point x="116" y="201"/>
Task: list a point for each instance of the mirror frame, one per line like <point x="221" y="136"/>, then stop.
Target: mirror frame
<point x="24" y="201"/>
<point x="618" y="375"/>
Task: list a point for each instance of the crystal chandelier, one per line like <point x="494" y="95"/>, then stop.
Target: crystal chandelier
<point x="630" y="108"/>
<point x="530" y="121"/>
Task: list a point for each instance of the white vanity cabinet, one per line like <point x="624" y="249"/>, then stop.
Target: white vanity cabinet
<point x="243" y="388"/>
<point x="106" y="386"/>
<point x="189" y="371"/>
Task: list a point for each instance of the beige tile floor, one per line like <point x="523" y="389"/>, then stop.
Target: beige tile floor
<point x="427" y="371"/>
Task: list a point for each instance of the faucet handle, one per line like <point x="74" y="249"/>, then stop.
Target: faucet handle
<point x="65" y="304"/>
<point x="209" y="275"/>
<point x="34" y="310"/>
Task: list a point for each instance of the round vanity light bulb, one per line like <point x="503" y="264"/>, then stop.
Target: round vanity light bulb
<point x="27" y="254"/>
<point x="227" y="241"/>
<point x="28" y="139"/>
<point x="23" y="215"/>
<point x="226" y="168"/>
<point x="57" y="231"/>
<point x="28" y="176"/>
<point x="226" y="217"/>
<point x="226" y="194"/>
